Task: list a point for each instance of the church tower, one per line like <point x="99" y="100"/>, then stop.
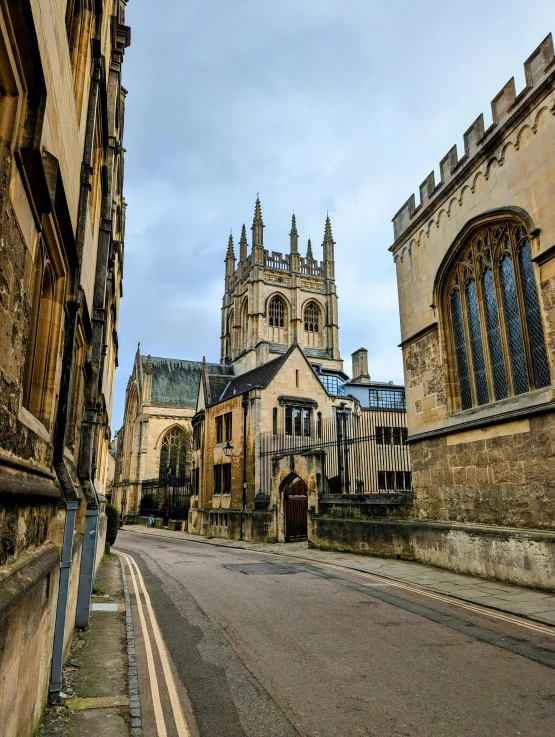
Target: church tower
<point x="273" y="299"/>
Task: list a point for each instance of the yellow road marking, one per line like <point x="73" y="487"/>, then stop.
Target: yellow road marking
<point x="156" y="703"/>
<point x="544" y="630"/>
<point x="182" y="729"/>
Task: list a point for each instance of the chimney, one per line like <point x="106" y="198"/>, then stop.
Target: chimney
<point x="360" y="366"/>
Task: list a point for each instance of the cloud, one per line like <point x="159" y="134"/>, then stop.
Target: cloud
<point x="319" y="105"/>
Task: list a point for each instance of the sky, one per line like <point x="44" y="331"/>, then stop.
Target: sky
<point x="339" y="106"/>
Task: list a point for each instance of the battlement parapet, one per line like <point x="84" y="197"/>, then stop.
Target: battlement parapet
<point x="537" y="68"/>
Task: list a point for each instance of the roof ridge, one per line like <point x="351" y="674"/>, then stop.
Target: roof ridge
<point x="180" y="360"/>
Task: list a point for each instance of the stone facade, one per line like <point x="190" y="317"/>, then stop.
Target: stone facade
<point x="252" y="332"/>
<point x="479" y="381"/>
<point x="161" y="396"/>
<point x="62" y="220"/>
<point x="253" y="399"/>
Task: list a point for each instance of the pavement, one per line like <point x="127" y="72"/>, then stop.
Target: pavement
<point x="97" y="673"/>
<point x="538" y="606"/>
<point x="233" y="640"/>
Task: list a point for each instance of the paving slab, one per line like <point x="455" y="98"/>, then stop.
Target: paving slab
<point x="95" y="676"/>
<point x="516" y="600"/>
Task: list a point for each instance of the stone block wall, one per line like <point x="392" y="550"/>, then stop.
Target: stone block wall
<point x="503" y="475"/>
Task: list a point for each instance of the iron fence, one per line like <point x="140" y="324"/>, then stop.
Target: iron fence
<point x="364" y="453"/>
<point x="170" y="499"/>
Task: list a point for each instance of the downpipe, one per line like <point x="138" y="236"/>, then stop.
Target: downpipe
<point x="245" y="405"/>
<point x="88" y="559"/>
<point x="72" y="498"/>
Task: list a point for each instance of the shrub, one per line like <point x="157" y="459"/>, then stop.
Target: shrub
<point x="113" y="524"/>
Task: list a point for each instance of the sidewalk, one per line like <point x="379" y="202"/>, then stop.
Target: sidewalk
<point x="96" y="676"/>
<point x="521" y="602"/>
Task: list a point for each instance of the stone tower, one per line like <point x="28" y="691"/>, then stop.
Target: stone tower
<point x="272" y="300"/>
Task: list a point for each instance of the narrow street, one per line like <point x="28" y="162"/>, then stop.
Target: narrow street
<point x="235" y="642"/>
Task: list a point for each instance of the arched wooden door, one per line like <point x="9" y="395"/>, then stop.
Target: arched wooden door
<point x="296" y="511"/>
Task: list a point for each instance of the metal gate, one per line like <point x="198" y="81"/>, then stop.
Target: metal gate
<point x="296" y="511"/>
<point x="170" y="499"/>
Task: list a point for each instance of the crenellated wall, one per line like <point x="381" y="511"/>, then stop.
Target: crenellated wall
<point x="507" y="108"/>
<point x="492" y="463"/>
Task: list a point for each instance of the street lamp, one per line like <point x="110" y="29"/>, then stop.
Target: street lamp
<point x="228" y="448"/>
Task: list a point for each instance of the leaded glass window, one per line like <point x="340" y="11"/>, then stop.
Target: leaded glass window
<point x="311" y="318"/>
<point x="540" y="366"/>
<point x="174" y="455"/>
<point x="514" y="327"/>
<point x="460" y="349"/>
<point x="494" y="322"/>
<point x="276" y="313"/>
<point x="494" y="335"/>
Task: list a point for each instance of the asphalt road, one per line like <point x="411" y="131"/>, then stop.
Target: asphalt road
<point x="267" y="646"/>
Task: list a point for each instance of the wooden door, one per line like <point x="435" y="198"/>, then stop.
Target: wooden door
<point x="296" y="510"/>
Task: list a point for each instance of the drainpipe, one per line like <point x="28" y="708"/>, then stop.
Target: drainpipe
<point x="245" y="405"/>
<point x="71" y="495"/>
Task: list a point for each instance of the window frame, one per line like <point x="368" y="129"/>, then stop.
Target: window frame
<point x="472" y="257"/>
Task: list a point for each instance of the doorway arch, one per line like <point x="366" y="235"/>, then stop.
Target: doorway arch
<point x="295" y="502"/>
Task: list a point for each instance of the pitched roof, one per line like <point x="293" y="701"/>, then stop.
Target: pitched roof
<point x="257" y="378"/>
<point x="175" y="383"/>
<point x="214" y="387"/>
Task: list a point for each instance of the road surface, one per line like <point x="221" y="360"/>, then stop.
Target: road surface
<point x="232" y="642"/>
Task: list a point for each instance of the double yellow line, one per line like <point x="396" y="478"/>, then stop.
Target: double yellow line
<point x="179" y="719"/>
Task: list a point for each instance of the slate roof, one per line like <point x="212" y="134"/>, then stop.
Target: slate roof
<point x="257" y="378"/>
<point x="214" y="387"/>
<point x="175" y="383"/>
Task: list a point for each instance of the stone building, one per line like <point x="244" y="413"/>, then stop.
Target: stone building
<point x="273" y="299"/>
<point x="154" y="443"/>
<point x="62" y="218"/>
<point x="475" y="264"/>
<point x="376" y="395"/>
<point x="277" y="432"/>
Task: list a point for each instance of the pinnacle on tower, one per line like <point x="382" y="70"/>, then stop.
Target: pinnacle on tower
<point x="328" y="243"/>
<point x="230" y="252"/>
<point x="243" y="244"/>
<point x="257" y="225"/>
<point x="309" y="253"/>
<point x="294" y="236"/>
<point x="148" y="365"/>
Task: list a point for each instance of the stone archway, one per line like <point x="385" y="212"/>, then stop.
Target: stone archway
<point x="295" y="502"/>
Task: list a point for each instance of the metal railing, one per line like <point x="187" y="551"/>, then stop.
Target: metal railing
<point x="170" y="499"/>
<point x="365" y="453"/>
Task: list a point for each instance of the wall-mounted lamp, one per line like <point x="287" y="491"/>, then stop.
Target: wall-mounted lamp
<point x="228" y="448"/>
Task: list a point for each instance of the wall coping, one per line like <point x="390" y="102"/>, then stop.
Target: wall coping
<point x="24" y="574"/>
<point x="492" y="419"/>
<point x="475" y="529"/>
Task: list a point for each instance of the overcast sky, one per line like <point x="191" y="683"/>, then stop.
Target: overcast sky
<point x="339" y="105"/>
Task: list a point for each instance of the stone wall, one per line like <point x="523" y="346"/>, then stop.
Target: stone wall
<point x="516" y="556"/>
<point x="499" y="475"/>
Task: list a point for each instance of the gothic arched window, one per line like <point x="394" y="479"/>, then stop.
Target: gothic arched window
<point x="175" y="455"/>
<point x="493" y="317"/>
<point x="276" y="313"/>
<point x="312" y="327"/>
<point x="277" y="320"/>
